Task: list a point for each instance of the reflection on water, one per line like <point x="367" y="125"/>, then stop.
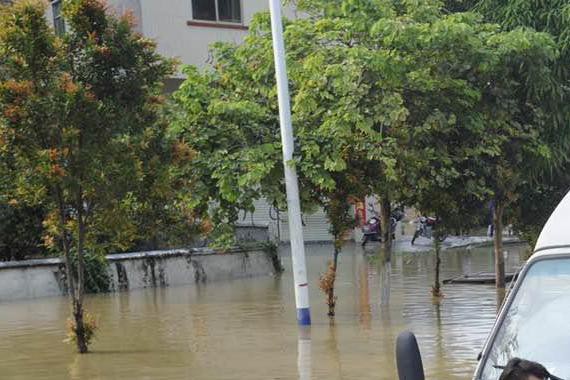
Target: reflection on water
<point x="246" y="329"/>
<point x="304" y="353"/>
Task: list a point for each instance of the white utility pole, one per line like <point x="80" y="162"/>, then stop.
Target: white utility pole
<point x="291" y="182"/>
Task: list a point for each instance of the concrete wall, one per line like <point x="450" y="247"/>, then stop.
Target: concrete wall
<point x="44" y="278"/>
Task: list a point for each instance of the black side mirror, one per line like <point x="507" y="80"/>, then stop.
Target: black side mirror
<point x="408" y="357"/>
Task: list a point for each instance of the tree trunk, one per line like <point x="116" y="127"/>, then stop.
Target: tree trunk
<point x="385" y="225"/>
<point x="498" y="244"/>
<point x="65" y="244"/>
<point x="78" y="300"/>
<point x="79" y="327"/>
<point x="74" y="285"/>
<point x="335" y="258"/>
<point x="331" y="299"/>
<point x="436" y="290"/>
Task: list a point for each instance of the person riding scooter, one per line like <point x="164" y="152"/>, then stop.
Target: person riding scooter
<point x="372" y="230"/>
<point x="425" y="228"/>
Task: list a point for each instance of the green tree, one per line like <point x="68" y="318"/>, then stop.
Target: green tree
<point x="475" y="100"/>
<point x="543" y="176"/>
<point x="20" y="232"/>
<point x="471" y="130"/>
<point x="523" y="109"/>
<point x="21" y="227"/>
<point x="518" y="130"/>
<point x="536" y="201"/>
<point x="233" y="129"/>
<point x="229" y="118"/>
<point x="446" y="193"/>
<point x="385" y="96"/>
<point x="78" y="113"/>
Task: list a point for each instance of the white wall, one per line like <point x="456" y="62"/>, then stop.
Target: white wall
<point x="165" y="21"/>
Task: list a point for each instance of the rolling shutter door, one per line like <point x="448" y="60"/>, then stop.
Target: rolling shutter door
<point x="316" y="228"/>
<point x="264" y="215"/>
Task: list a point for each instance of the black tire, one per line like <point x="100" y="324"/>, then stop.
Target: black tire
<point x="408" y="357"/>
<point x="364" y="240"/>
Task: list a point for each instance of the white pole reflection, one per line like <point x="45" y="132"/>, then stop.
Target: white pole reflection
<point x="364" y="286"/>
<point x="304" y="353"/>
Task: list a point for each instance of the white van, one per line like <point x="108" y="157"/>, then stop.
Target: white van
<point x="534" y="322"/>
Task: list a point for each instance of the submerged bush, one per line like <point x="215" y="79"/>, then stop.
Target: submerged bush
<point x="326" y="283"/>
<point x="90" y="326"/>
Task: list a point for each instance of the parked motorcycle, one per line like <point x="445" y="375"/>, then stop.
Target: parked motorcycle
<point x="425" y="226"/>
<point x="372" y="230"/>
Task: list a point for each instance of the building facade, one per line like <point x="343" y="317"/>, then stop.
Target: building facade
<point x="186" y="28"/>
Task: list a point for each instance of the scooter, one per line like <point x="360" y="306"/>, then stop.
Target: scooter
<point x="425" y="228"/>
<point x="373" y="232"/>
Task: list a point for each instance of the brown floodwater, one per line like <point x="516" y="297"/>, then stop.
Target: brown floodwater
<point x="246" y="329"/>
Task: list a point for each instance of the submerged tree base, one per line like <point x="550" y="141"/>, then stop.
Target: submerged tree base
<point x="81" y="331"/>
<point x="437" y="293"/>
<point x="326" y="283"/>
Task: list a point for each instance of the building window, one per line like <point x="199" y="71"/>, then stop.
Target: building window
<point x="58" y="22"/>
<point x="217" y="10"/>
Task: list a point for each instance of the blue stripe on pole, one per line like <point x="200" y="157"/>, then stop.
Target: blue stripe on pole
<point x="304" y="316"/>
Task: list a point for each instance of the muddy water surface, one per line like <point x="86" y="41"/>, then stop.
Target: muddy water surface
<point x="246" y="329"/>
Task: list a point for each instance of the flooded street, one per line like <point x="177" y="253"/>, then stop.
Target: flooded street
<point x="246" y="329"/>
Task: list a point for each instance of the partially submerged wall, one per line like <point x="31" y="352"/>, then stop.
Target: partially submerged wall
<point x="44" y="278"/>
